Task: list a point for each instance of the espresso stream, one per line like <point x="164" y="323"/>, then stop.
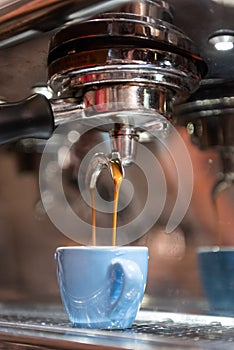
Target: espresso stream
<point x="117" y="176"/>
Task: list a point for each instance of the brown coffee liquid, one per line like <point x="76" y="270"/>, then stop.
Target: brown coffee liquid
<point x="117" y="176"/>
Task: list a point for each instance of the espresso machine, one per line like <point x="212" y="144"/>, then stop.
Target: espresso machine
<point x="151" y="83"/>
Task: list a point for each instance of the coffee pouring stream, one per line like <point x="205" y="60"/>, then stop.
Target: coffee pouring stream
<point x="113" y="163"/>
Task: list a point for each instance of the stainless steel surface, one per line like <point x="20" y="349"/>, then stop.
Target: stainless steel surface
<point x="124" y="141"/>
<point x="27" y="62"/>
<point x="208" y="115"/>
<point x="22" y="19"/>
<point x="47" y="327"/>
<point x="209" y="119"/>
<point x="125" y="60"/>
<point x="128" y="49"/>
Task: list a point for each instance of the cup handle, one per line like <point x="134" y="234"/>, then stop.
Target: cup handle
<point x="125" y="278"/>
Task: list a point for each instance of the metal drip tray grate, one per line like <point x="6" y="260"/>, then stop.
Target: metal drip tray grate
<point x="48" y="327"/>
<point x="213" y="331"/>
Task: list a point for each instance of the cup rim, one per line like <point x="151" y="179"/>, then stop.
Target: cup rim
<point x="91" y="247"/>
<point x="215" y="249"/>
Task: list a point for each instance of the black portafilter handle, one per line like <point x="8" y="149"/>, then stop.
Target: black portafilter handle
<point x="29" y="118"/>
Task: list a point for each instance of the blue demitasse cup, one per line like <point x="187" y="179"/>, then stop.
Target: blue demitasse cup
<point x="102" y="287"/>
<point x="216" y="267"/>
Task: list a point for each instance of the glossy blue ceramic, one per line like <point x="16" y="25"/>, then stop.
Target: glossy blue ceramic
<point x="216" y="266"/>
<point x="102" y="287"/>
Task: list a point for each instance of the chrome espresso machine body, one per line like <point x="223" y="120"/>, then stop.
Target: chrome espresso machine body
<point x="149" y="82"/>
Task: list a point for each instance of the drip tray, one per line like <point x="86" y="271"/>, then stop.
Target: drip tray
<point x="47" y="327"/>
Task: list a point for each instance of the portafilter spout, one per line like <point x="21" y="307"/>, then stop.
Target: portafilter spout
<point x="122" y="72"/>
